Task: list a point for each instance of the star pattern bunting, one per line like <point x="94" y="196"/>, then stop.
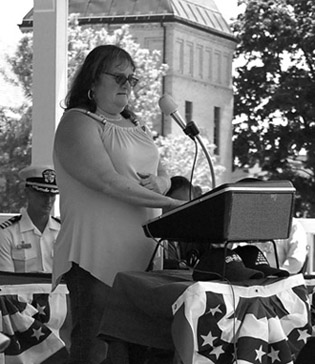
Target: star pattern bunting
<point x="264" y="324"/>
<point x="32" y="322"/>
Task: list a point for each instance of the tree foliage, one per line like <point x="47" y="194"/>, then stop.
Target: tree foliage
<point x="274" y="93"/>
<point x="178" y="155"/>
<point x="15" y="147"/>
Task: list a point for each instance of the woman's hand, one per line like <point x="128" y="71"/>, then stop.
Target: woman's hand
<point x="159" y="184"/>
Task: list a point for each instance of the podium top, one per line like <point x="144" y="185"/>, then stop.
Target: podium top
<point x="241" y="211"/>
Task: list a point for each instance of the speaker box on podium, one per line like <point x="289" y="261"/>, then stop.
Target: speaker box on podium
<point x="242" y="211"/>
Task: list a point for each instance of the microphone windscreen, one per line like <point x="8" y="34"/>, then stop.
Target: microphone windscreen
<point x="167" y="105"/>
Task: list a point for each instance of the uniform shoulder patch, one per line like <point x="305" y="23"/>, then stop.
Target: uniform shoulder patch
<point x="56" y="219"/>
<point x="13" y="220"/>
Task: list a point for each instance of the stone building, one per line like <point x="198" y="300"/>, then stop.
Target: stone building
<point x="196" y="43"/>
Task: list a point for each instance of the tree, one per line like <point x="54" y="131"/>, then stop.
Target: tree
<point x="178" y="156"/>
<point x="15" y="147"/>
<point x="274" y="93"/>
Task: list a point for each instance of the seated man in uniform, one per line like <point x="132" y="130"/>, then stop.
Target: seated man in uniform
<point x="27" y="239"/>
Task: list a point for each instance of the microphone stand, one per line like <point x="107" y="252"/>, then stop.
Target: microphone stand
<point x="192" y="131"/>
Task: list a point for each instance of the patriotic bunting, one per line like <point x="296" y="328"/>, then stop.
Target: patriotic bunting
<point x="32" y="320"/>
<point x="215" y="322"/>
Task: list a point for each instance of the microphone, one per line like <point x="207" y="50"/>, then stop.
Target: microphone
<point x="169" y="108"/>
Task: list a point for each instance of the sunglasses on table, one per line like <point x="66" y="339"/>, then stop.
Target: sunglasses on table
<point x="122" y="79"/>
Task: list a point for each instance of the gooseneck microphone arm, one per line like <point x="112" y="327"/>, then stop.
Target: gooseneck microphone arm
<point x="169" y="108"/>
<point x="208" y="159"/>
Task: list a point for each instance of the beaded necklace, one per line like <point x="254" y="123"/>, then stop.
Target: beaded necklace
<point x="102" y="118"/>
<point x="113" y="120"/>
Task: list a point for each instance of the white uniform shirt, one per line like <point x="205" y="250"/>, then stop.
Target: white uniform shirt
<point x="23" y="248"/>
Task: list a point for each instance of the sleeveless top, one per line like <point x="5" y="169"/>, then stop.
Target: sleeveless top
<point x="101" y="234"/>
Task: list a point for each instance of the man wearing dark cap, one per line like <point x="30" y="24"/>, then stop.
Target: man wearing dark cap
<point x="27" y="240"/>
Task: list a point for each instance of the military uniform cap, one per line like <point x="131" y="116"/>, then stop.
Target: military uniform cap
<point x="41" y="178"/>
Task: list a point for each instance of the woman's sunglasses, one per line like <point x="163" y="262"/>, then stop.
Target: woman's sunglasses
<point x="122" y="79"/>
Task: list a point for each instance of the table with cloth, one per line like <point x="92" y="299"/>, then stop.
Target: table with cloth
<point x="256" y="321"/>
<point x="36" y="320"/>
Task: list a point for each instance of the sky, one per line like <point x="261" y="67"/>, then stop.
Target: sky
<point x="11" y="14"/>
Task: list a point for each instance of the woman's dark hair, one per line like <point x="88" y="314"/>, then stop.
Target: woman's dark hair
<point x="98" y="61"/>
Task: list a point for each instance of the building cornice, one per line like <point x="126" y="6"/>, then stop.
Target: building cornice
<point x="139" y="19"/>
